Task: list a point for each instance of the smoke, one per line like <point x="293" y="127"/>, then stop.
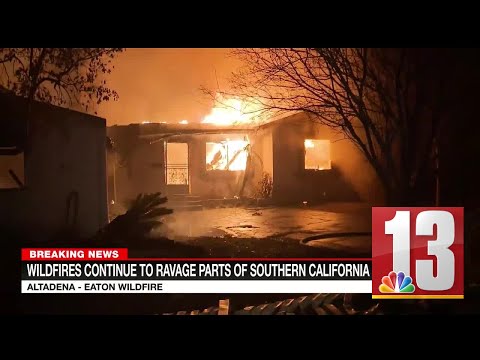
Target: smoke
<point x="186" y="224"/>
<point x="163" y="84"/>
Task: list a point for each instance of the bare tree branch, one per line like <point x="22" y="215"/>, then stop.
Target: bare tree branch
<point x="375" y="97"/>
<point x="61" y="76"/>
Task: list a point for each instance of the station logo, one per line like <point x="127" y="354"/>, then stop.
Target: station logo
<point x="417" y="252"/>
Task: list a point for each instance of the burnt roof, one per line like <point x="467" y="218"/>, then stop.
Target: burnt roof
<point x="161" y="130"/>
<point x="190" y="127"/>
<point x="148" y="130"/>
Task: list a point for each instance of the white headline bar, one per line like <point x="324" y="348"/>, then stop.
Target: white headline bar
<point x="198" y="287"/>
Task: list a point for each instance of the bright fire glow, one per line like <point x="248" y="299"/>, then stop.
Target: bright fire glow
<point x="227" y="155"/>
<point x="184" y="122"/>
<point x="309" y="144"/>
<point x="145" y="122"/>
<point x="317" y="154"/>
<point x="231" y="112"/>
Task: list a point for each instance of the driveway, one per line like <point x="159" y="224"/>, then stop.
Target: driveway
<point x="289" y="224"/>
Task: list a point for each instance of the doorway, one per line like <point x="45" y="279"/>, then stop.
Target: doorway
<point x="177" y="177"/>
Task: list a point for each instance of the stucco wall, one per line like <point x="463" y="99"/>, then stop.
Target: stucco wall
<point x="142" y="170"/>
<point x="67" y="155"/>
<point x="351" y="177"/>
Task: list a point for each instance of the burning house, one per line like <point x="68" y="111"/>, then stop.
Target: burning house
<point x="290" y="160"/>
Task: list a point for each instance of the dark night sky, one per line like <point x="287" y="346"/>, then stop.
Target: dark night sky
<point x="163" y="84"/>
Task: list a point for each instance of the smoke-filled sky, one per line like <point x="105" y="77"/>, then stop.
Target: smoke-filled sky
<point x="163" y="84"/>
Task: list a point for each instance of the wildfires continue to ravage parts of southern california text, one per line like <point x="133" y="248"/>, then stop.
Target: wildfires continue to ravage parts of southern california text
<point x="192" y="270"/>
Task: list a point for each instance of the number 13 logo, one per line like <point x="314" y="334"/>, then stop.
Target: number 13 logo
<point x="417" y="252"/>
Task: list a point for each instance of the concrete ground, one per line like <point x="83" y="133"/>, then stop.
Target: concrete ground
<point x="272" y="231"/>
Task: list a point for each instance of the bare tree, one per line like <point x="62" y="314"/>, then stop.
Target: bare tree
<point x="59" y="76"/>
<point x="388" y="102"/>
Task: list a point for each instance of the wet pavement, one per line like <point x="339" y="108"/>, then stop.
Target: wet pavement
<point x="289" y="223"/>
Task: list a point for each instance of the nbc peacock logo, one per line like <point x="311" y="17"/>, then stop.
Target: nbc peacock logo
<point x="396" y="283"/>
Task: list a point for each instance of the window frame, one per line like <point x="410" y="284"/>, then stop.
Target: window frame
<point x="305" y="155"/>
<point x="224" y="143"/>
<point x="12" y="151"/>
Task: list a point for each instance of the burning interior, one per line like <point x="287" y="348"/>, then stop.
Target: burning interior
<point x="317" y="155"/>
<point x="229" y="155"/>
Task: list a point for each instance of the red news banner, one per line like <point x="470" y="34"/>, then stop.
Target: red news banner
<point x="112" y="271"/>
<point x="74" y="254"/>
<point x="417" y="252"/>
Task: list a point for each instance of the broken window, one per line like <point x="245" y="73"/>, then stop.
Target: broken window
<point x="317" y="154"/>
<point x="230" y="155"/>
<point x="12" y="169"/>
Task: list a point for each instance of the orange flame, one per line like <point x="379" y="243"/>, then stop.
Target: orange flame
<point x="309" y="144"/>
<point x="227" y="112"/>
<point x="317" y="154"/>
<point x="228" y="155"/>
